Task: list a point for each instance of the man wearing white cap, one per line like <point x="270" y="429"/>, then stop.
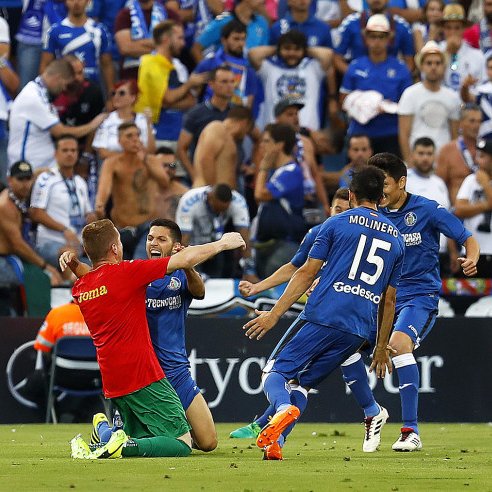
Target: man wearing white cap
<point x="380" y="79"/>
<point x="352" y="43"/>
<point x="427" y="108"/>
<point x="463" y="59"/>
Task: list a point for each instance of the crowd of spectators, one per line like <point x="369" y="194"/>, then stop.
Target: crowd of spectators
<point x="233" y="114"/>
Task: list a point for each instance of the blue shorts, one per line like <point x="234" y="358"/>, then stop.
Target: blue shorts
<point x="50" y="251"/>
<point x="184" y="385"/>
<point x="416" y="315"/>
<point x="309" y="352"/>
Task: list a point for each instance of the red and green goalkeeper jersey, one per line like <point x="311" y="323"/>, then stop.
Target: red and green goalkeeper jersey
<point x="112" y="301"/>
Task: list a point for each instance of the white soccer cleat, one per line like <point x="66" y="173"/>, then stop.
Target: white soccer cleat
<point x="373" y="426"/>
<point x="79" y="450"/>
<point x="408" y="441"/>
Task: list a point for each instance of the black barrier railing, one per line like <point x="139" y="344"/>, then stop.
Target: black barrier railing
<point x="454" y="369"/>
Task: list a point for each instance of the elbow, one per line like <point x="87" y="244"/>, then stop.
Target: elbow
<point x="459" y="212"/>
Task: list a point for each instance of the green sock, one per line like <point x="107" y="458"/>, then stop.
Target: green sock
<point x="156" y="447"/>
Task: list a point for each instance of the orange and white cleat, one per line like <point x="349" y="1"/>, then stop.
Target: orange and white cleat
<point x="273" y="452"/>
<point x="280" y="421"/>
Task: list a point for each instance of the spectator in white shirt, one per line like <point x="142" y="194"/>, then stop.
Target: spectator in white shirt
<point x="203" y="214"/>
<point x="60" y="204"/>
<point x="463" y="59"/>
<point x="428" y="108"/>
<point x="34" y="119"/>
<point x="474" y="205"/>
<point x="421" y="180"/>
<point x="106" y="140"/>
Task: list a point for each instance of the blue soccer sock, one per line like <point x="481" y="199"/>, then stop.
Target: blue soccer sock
<point x="299" y="398"/>
<point x="104" y="431"/>
<point x="408" y="377"/>
<point x="355" y="376"/>
<point x="277" y="390"/>
<point x="263" y="420"/>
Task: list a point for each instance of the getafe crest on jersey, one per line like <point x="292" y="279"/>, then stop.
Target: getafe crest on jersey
<point x="174" y="283"/>
<point x="410" y="219"/>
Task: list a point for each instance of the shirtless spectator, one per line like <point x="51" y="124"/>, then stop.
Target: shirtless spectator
<point x="456" y="159"/>
<point x="14" y="228"/>
<point x="216" y="154"/>
<point x="132" y="180"/>
<point x="222" y="82"/>
<point x="168" y="198"/>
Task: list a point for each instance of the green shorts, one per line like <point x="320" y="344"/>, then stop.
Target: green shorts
<point x="153" y="411"/>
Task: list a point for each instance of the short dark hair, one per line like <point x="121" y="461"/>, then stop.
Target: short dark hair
<point x="165" y="151"/>
<point x="424" y="142"/>
<point x="231" y="27"/>
<point x="470" y="106"/>
<point x="390" y="164"/>
<point x="62" y="67"/>
<point x="127" y="124"/>
<point x="283" y="133"/>
<point x="162" y="29"/>
<point x="341" y="194"/>
<point x="65" y="136"/>
<point x="240" y="113"/>
<point x="222" y="192"/>
<point x="359" y="135"/>
<point x="297" y="38"/>
<point x="226" y="68"/>
<point x="171" y="225"/>
<point x="367" y="184"/>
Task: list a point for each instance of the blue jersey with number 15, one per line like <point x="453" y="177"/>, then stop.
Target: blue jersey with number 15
<point x="363" y="252"/>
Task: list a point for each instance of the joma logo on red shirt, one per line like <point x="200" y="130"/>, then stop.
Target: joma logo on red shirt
<point x="92" y="294"/>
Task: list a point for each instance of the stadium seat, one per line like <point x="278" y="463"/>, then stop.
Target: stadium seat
<point x="480" y="309"/>
<point x="12" y="300"/>
<point x="74" y="372"/>
<point x="445" y="309"/>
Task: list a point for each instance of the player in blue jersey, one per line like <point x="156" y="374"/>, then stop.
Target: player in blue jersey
<point x="420" y="221"/>
<point x="339" y="204"/>
<point x="354" y="295"/>
<point x="168" y="300"/>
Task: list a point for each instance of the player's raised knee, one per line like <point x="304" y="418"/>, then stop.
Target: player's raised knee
<point x="208" y="444"/>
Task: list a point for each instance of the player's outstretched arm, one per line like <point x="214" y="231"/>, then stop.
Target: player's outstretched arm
<point x="68" y="259"/>
<point x="386" y="313"/>
<point x="469" y="263"/>
<point x="194" y="255"/>
<point x="196" y="285"/>
<point x="301" y="280"/>
<point x="280" y="276"/>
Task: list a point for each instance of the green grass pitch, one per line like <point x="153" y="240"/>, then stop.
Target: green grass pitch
<point x="317" y="457"/>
